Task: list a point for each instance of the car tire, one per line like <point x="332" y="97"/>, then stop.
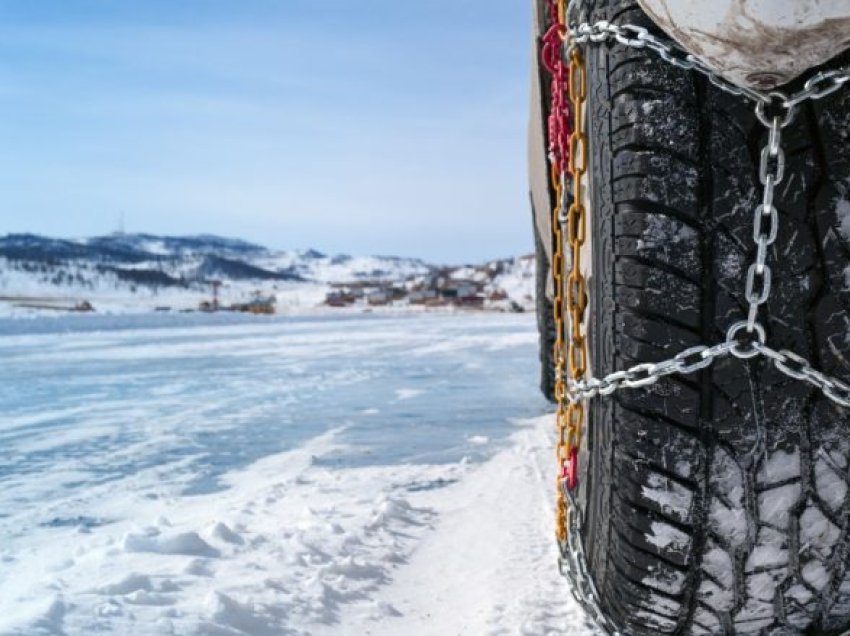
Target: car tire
<point x="717" y="502"/>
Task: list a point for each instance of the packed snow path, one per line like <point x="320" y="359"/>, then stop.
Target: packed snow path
<point x="489" y="565"/>
<point x="309" y="476"/>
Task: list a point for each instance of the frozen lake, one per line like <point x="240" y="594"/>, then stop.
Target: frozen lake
<point x="142" y="459"/>
<point x="104" y="405"/>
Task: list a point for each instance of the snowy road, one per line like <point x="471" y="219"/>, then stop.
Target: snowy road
<point x="344" y="475"/>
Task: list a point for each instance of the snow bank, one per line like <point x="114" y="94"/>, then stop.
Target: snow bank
<point x="489" y="565"/>
<point x="292" y="546"/>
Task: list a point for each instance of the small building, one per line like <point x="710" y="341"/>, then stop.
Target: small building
<point x="257" y="305"/>
<point x="459" y="289"/>
<point x="474" y="300"/>
<point x="378" y="297"/>
<point x="340" y="298"/>
<point x="384" y="295"/>
<point x="421" y="296"/>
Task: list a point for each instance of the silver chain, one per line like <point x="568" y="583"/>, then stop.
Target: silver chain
<point x="573" y="565"/>
<point x="637" y="37"/>
<point x="700" y="357"/>
<point x="765" y="219"/>
<point x="573" y="561"/>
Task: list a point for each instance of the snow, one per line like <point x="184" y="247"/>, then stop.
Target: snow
<point x="842" y="210"/>
<point x="469" y="576"/>
<point x="343" y="268"/>
<point x="109" y="295"/>
<point x="668" y="538"/>
<point x="728" y="522"/>
<point x="669" y="581"/>
<point x="815" y="574"/>
<point x="818" y="533"/>
<point x="662" y="231"/>
<point x="831" y="484"/>
<point x="673" y="498"/>
<point x="780" y="466"/>
<point x="263" y="477"/>
<point x="518" y="281"/>
<point x="152" y="540"/>
<point x="715" y="596"/>
<point x="775" y="504"/>
<point x="766" y="556"/>
<point x="717" y="563"/>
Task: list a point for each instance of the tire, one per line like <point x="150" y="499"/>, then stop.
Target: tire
<point x="545" y="317"/>
<point x="718" y="502"/>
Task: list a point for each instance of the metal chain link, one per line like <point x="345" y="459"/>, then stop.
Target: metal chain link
<point x="637" y="37"/>
<point x="560" y="133"/>
<point x="575" y="225"/>
<point x="569" y="218"/>
<point x="573" y="560"/>
<point x="774" y="110"/>
<point x="574" y="567"/>
<point x="771" y="173"/>
<point x="700" y="357"/>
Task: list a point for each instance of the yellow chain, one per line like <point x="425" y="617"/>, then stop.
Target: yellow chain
<point x="570" y="415"/>
<point x="562" y="13"/>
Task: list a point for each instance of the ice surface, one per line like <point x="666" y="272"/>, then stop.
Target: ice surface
<point x="263" y="477"/>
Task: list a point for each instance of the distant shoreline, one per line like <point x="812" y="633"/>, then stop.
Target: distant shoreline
<point x="51" y="323"/>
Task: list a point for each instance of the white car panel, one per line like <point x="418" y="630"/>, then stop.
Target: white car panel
<point x="757" y="43"/>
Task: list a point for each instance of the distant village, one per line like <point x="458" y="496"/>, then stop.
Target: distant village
<point x="469" y="287"/>
<point x="259" y="303"/>
<point x="44" y="274"/>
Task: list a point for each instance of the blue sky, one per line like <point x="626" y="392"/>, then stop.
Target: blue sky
<point x="371" y="127"/>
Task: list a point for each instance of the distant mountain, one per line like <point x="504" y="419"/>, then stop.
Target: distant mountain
<point x="124" y="266"/>
<point x="183" y="260"/>
<point x="178" y="245"/>
<point x="122" y="248"/>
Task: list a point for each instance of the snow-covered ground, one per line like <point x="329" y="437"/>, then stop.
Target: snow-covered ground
<point x="333" y="475"/>
<point x="25" y="296"/>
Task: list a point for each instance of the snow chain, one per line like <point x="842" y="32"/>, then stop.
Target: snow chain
<point x="567" y="141"/>
<point x="745" y="339"/>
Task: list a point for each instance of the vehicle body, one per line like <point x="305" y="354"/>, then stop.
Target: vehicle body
<point x="717" y="502"/>
<point x="758" y="43"/>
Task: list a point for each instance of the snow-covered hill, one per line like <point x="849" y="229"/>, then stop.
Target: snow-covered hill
<point x="142" y="272"/>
